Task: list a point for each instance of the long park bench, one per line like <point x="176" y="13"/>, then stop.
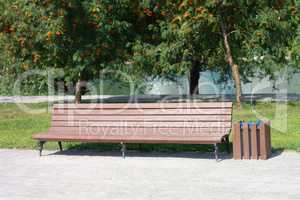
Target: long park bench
<point x="173" y="123"/>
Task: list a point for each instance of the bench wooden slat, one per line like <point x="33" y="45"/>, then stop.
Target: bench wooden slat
<point x="176" y="111"/>
<point x="138" y="131"/>
<point x="140" y="124"/>
<point x="147" y="105"/>
<point x="143" y="118"/>
<point x="126" y="139"/>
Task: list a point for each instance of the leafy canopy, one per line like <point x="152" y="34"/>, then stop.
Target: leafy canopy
<point x="262" y="37"/>
<point x="80" y="37"/>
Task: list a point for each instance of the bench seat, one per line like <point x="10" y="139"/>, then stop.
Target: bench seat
<point x="131" y="139"/>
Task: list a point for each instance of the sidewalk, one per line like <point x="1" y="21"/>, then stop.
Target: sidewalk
<point x="39" y="99"/>
<point x="146" y="98"/>
<point x="91" y="175"/>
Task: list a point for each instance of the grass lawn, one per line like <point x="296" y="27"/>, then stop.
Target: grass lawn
<point x="17" y="127"/>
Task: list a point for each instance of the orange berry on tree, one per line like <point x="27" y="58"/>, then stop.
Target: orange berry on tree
<point x="148" y="12"/>
<point x="49" y="34"/>
<point x="58" y="33"/>
<point x="186" y="14"/>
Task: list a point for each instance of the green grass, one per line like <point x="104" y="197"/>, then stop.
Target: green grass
<point x="17" y="128"/>
<point x="285" y="122"/>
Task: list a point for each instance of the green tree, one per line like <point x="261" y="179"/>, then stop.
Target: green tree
<point x="255" y="29"/>
<point x="179" y="42"/>
<point x="159" y="38"/>
<point x="80" y="37"/>
<point x="225" y="36"/>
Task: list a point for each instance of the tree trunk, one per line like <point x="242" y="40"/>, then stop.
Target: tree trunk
<point x="234" y="68"/>
<point x="78" y="91"/>
<point x="194" y="78"/>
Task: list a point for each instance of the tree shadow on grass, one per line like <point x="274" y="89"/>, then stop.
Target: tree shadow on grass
<point x="159" y="98"/>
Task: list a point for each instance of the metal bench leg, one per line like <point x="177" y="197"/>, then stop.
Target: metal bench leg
<point x="123" y="149"/>
<point x="41" y="146"/>
<point x="227" y="144"/>
<point x="60" y="146"/>
<point x="216" y="151"/>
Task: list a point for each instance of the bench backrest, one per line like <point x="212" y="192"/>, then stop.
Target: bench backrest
<point x="187" y="118"/>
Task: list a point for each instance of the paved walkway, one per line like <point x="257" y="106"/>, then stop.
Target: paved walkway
<point x="91" y="175"/>
<point x="142" y="98"/>
<point x="39" y="99"/>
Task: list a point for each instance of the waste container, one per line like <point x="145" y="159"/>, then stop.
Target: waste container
<point x="251" y="140"/>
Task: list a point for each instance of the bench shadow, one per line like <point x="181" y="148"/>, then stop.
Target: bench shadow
<point x="135" y="153"/>
<point x="144" y="150"/>
<point x="110" y="150"/>
<point x="276" y="152"/>
<point x="179" y="98"/>
<point x="153" y="99"/>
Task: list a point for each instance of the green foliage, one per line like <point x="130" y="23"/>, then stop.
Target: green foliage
<point x="145" y="38"/>
<point x="263" y="37"/>
<point x="80" y="37"/>
<point x="182" y="36"/>
<point x="269" y="46"/>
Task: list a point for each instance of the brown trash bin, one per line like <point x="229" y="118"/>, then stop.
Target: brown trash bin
<point x="251" y="140"/>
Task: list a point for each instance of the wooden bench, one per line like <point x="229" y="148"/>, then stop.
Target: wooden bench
<point x="177" y="123"/>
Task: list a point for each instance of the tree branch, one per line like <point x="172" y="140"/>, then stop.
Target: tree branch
<point x="231" y="32"/>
